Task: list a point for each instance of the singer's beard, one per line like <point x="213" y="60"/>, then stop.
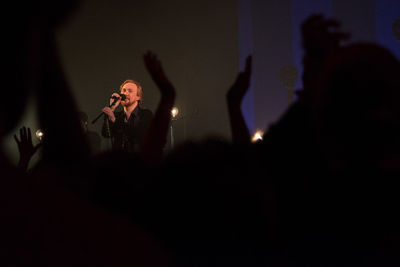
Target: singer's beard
<point x="127" y="104"/>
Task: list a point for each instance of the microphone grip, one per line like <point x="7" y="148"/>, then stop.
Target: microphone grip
<point x="115" y="99"/>
<point x="102" y="113"/>
<point x="122" y="97"/>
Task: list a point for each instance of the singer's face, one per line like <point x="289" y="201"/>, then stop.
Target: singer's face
<point x="131" y="92"/>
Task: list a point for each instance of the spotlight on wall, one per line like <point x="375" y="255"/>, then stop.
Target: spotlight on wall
<point x="39" y="134"/>
<point x="174" y="112"/>
<point x="258" y="136"/>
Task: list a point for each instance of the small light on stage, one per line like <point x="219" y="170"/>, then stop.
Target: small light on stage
<point x="258" y="136"/>
<point x="174" y="112"/>
<point x="39" y="134"/>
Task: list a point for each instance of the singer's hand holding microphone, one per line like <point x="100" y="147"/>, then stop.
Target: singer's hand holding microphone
<point x="115" y="99"/>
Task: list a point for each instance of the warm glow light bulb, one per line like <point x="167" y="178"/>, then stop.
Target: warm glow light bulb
<point x="258" y="136"/>
<point x="39" y="134"/>
<point x="174" y="112"/>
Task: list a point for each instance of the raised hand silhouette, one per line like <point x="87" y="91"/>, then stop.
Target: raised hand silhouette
<point x="156" y="71"/>
<point x="156" y="137"/>
<point x="25" y="147"/>
<point x="321" y="37"/>
<point x="234" y="97"/>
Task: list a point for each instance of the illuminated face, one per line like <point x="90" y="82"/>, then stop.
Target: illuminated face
<point x="130" y="90"/>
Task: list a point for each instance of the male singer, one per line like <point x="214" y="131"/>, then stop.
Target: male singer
<point x="126" y="128"/>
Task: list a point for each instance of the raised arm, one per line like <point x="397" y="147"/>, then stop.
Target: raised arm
<point x="156" y="137"/>
<point x="234" y="97"/>
<point x="58" y="113"/>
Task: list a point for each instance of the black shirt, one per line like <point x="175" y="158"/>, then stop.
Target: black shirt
<point x="127" y="134"/>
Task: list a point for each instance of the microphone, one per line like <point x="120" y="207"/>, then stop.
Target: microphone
<point x="115" y="98"/>
<point x="123" y="97"/>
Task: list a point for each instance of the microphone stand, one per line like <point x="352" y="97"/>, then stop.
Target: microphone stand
<point x="112" y="104"/>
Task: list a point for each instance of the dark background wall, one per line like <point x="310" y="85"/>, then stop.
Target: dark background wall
<point x="203" y="45"/>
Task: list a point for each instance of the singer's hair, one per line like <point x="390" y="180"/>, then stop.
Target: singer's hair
<point x="139" y="89"/>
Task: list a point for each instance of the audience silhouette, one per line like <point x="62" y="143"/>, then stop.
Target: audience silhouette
<point x="48" y="216"/>
<point x="320" y="189"/>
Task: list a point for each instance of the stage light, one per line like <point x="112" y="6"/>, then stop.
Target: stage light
<point x="39" y="134"/>
<point x="258" y="136"/>
<point x="174" y="112"/>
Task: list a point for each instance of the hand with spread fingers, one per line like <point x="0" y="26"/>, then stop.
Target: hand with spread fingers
<point x="25" y="147"/>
